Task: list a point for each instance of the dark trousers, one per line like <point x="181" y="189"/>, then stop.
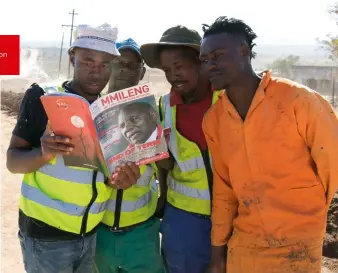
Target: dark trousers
<point x="186" y="242"/>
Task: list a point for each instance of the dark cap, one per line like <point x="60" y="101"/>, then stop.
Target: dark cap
<point x="175" y="36"/>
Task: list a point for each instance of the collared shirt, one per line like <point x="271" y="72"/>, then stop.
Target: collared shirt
<point x="275" y="174"/>
<point x="153" y="136"/>
<point x="189" y="117"/>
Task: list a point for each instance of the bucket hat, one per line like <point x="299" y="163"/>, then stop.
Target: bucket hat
<point x="102" y="38"/>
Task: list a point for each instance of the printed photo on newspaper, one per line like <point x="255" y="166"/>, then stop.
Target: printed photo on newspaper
<point x="119" y="127"/>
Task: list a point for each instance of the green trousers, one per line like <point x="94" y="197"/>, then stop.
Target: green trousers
<point x="134" y="251"/>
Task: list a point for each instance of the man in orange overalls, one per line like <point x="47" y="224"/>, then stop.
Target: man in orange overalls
<point x="274" y="148"/>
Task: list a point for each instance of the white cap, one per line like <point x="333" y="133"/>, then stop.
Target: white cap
<point x="101" y="38"/>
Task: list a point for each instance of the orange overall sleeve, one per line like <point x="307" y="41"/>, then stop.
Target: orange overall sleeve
<point x="224" y="203"/>
<point x="318" y="126"/>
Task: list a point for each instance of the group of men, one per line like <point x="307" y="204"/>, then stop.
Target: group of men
<point x="251" y="174"/>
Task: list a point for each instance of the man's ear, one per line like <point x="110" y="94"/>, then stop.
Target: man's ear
<point x="111" y="84"/>
<point x="143" y="73"/>
<point x="245" y="50"/>
<point x="72" y="57"/>
<point x="153" y="116"/>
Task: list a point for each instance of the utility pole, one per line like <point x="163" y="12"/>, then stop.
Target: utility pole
<point x="71" y="35"/>
<point x="61" y="48"/>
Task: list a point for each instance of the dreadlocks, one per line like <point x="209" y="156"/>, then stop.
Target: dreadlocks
<point x="232" y="26"/>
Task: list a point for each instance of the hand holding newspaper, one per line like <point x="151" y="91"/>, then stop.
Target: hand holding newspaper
<point x="119" y="127"/>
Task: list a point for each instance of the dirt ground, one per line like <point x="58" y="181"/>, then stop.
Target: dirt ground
<point x="11" y="260"/>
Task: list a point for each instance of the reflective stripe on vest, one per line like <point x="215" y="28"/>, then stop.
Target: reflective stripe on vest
<point x="52" y="88"/>
<point x="190" y="164"/>
<point x="191" y="192"/>
<point x="55" y="195"/>
<point x="59" y="196"/>
<point x="139" y="202"/>
<point x="63" y="172"/>
<point x="188" y="179"/>
<point x="34" y="194"/>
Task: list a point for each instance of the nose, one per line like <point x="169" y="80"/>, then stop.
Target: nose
<point x="97" y="69"/>
<point x="95" y="72"/>
<point x="177" y="73"/>
<point x="174" y="76"/>
<point x="129" y="126"/>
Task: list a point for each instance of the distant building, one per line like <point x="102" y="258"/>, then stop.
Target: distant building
<point x="322" y="78"/>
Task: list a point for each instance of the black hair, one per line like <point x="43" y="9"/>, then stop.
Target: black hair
<point x="187" y="52"/>
<point x="232" y="26"/>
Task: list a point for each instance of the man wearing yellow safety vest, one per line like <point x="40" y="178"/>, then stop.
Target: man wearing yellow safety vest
<point x="186" y="223"/>
<point x="61" y="205"/>
<point x="128" y="239"/>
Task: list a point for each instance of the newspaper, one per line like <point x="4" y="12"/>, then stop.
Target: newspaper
<point x="119" y="127"/>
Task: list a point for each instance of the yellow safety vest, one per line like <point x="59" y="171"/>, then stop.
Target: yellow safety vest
<point x="72" y="199"/>
<point x="188" y="184"/>
<point x="134" y="205"/>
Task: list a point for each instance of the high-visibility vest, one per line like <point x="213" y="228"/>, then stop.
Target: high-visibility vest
<point x="136" y="204"/>
<point x="52" y="88"/>
<point x="72" y="199"/>
<point x="188" y="182"/>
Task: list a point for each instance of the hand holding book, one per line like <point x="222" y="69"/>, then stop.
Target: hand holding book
<point x="52" y="145"/>
<point x="125" y="176"/>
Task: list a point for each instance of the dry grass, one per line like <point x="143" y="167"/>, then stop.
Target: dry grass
<point x="10" y="102"/>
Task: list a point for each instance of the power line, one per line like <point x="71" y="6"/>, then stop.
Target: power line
<point x="71" y="35"/>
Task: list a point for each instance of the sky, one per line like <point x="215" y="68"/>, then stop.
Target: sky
<point x="285" y="22"/>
